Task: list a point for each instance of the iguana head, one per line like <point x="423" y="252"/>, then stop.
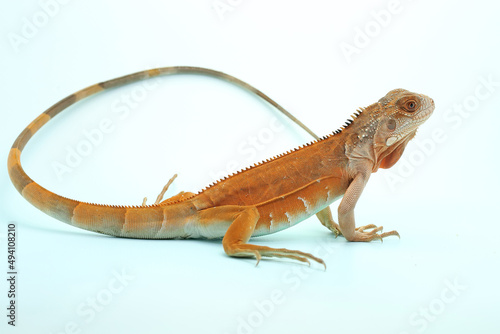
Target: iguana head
<point x="383" y="129"/>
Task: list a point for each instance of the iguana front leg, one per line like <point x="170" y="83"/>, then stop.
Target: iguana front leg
<point x="346" y="213"/>
<point x="326" y="218"/>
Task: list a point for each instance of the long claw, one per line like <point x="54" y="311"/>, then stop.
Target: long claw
<point x="386" y="234"/>
<point x="258" y="257"/>
<point x="375" y="230"/>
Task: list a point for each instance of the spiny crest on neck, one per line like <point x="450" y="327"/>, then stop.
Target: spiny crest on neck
<point x="358" y="113"/>
<point x="349" y="121"/>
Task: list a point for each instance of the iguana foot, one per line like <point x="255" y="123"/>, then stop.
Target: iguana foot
<point x="249" y="250"/>
<point x="326" y="219"/>
<point x="162" y="193"/>
<point x="261" y="251"/>
<point x="365" y="236"/>
<point x="335" y="229"/>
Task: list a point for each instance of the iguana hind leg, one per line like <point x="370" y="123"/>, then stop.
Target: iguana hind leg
<point x="242" y="222"/>
<point x="179" y="197"/>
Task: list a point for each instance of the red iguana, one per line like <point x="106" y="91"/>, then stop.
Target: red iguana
<point x="265" y="198"/>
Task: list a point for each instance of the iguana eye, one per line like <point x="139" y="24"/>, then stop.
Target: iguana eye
<point x="410" y="105"/>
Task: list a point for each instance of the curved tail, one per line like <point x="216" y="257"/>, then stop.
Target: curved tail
<point x="137" y="222"/>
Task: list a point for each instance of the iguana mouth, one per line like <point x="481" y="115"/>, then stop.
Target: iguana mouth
<point x="426" y="113"/>
<point x="419" y="119"/>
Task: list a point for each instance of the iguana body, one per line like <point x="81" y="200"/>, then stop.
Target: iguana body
<point x="263" y="199"/>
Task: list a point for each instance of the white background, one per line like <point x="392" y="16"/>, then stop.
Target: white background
<point x="441" y="276"/>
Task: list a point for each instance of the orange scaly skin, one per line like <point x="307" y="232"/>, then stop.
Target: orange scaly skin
<point x="263" y="199"/>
